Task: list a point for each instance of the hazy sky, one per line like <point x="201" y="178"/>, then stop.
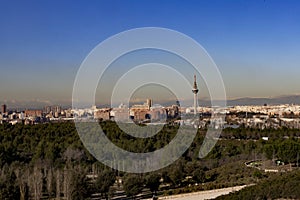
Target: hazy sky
<point x="255" y="44"/>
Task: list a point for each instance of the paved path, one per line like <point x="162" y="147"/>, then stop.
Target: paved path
<point x="208" y="194"/>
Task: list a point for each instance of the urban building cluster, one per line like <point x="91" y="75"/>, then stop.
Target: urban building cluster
<point x="35" y="116"/>
<point x="140" y="113"/>
<point x="265" y="116"/>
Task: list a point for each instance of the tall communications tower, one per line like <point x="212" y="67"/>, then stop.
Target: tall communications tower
<point x="195" y="91"/>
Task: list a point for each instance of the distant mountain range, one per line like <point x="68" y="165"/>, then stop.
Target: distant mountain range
<point x="33" y="104"/>
<point x="292" y="99"/>
<point x="38" y="104"/>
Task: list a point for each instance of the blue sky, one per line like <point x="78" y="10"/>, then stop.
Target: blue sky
<point x="255" y="44"/>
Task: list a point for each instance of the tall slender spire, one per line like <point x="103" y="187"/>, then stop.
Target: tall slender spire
<point x="195" y="91"/>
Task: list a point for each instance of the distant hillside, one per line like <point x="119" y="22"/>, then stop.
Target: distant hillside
<point x="38" y="104"/>
<point x="295" y="99"/>
<point x="33" y="104"/>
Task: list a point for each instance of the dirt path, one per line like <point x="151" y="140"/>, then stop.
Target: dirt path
<point x="208" y="194"/>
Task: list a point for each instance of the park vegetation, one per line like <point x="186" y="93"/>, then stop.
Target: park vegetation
<point x="49" y="161"/>
<point x="279" y="186"/>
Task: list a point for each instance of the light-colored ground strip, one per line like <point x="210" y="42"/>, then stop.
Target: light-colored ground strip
<point x="208" y="194"/>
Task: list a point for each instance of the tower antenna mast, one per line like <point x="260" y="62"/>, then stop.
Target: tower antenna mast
<point x="195" y="91"/>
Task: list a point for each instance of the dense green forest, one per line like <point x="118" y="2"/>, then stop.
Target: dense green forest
<point x="283" y="185"/>
<point x="48" y="161"/>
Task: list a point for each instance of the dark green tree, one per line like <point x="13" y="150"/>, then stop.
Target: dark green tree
<point x="199" y="175"/>
<point x="80" y="189"/>
<point x="176" y="172"/>
<point x="288" y="150"/>
<point x="8" y="187"/>
<point x="133" y="185"/>
<point x="153" y="182"/>
<point x="104" y="181"/>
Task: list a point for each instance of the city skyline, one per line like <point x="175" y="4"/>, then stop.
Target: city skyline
<point x="254" y="44"/>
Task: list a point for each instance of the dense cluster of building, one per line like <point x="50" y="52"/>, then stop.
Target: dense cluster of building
<point x="34" y="116"/>
<point x="266" y="116"/>
<point x="141" y="113"/>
